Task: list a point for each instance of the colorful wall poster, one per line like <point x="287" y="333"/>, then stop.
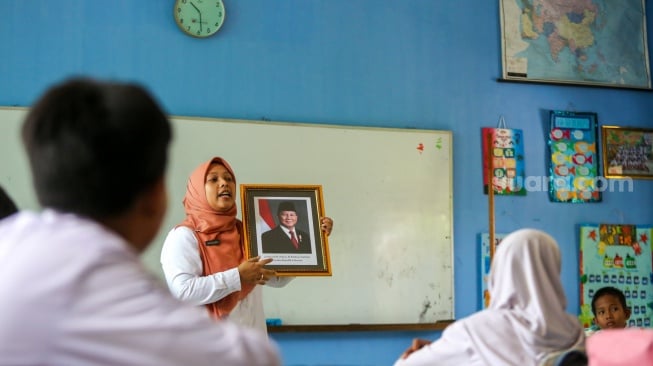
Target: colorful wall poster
<point x="507" y="160"/>
<point x="573" y="165"/>
<point x="618" y="256"/>
<point x="485" y="264"/>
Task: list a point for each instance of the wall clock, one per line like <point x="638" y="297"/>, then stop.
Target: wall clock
<point x="199" y="18"/>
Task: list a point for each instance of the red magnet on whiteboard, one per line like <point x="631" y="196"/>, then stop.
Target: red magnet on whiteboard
<point x="420" y="147"/>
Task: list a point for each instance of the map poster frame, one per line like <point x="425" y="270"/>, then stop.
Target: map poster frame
<point x="575" y="42"/>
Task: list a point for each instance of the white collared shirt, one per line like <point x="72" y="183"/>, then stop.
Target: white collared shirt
<point x="74" y="293"/>
<point x="287" y="231"/>
<point x="182" y="266"/>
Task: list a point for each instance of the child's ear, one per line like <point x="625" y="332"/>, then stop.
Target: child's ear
<point x="150" y="211"/>
<point x="627" y="311"/>
<point x="156" y="198"/>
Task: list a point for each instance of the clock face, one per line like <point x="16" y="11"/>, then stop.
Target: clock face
<point x="199" y="18"/>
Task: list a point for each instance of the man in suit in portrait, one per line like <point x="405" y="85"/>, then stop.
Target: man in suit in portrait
<point x="285" y="237"/>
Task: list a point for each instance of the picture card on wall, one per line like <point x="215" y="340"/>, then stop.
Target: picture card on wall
<point x="573" y="157"/>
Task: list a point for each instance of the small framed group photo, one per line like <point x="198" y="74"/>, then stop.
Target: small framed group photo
<point x="627" y="152"/>
<point x="282" y="222"/>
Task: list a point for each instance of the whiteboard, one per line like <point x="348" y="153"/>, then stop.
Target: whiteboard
<point x="388" y="190"/>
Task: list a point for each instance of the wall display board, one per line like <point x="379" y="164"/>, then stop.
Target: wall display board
<point x="573" y="157"/>
<point x="389" y="192"/>
<point x="485" y="264"/>
<point x="506" y="146"/>
<point x="617" y="256"/>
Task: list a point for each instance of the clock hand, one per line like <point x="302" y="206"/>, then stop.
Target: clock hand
<point x="199" y="12"/>
<point x="195" y="7"/>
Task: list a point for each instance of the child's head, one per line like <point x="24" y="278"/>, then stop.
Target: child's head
<point x="97" y="149"/>
<point x="609" y="308"/>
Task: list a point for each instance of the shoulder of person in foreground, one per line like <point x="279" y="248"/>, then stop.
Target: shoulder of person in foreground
<point x="626" y="346"/>
<point x="452" y="348"/>
<point x="182" y="334"/>
<point x="103" y="307"/>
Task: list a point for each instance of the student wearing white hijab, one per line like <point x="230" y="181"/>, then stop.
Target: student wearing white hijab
<point x="525" y="323"/>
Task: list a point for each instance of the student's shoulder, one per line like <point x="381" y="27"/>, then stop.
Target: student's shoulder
<point x="63" y="232"/>
<point x="23" y="220"/>
<point x="591" y="331"/>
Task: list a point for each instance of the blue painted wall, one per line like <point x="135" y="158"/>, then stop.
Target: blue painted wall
<point x="428" y="64"/>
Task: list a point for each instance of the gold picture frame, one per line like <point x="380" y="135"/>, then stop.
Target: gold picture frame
<point x="627" y="152"/>
<point x="267" y="215"/>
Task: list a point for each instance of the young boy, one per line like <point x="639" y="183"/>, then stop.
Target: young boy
<point x="610" y="309"/>
<point x="72" y="286"/>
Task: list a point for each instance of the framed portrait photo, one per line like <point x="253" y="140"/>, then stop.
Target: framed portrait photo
<point x="627" y="152"/>
<point x="282" y="222"/>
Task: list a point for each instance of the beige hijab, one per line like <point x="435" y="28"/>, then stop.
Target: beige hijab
<point x="525" y="287"/>
<point x="526" y="320"/>
<point x="210" y="225"/>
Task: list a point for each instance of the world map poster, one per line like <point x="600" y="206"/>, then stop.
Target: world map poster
<point x="593" y="42"/>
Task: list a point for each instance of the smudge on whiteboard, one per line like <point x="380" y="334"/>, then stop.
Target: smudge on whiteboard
<point x="425" y="308"/>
